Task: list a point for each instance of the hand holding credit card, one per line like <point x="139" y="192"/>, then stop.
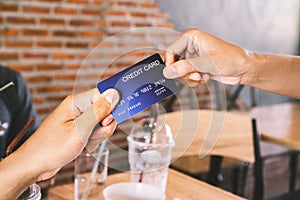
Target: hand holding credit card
<point x="140" y="86"/>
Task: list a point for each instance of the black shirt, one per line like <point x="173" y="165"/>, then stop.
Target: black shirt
<point x="16" y="108"/>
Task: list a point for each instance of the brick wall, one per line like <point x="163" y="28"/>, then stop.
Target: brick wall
<point x="50" y="43"/>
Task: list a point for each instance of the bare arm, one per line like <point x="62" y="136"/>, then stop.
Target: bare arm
<point x="278" y="74"/>
<point x="59" y="140"/>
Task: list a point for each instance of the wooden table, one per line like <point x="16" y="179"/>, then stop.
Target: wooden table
<point x="179" y="186"/>
<point x="211" y="132"/>
<point x="279" y="123"/>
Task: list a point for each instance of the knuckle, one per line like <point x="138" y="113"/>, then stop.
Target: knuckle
<point x="67" y="103"/>
<point x="187" y="67"/>
<point x="170" y="50"/>
<point x="191" y="31"/>
<point x="69" y="98"/>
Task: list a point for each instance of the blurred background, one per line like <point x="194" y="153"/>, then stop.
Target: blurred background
<point x="261" y="26"/>
<point x="49" y="42"/>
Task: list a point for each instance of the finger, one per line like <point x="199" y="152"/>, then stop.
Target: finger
<point x="181" y="68"/>
<point x="83" y="100"/>
<point x="205" y="77"/>
<point x="193" y="83"/>
<point x="93" y="144"/>
<point x="200" y="80"/>
<point x="108" y="130"/>
<point x="195" y="76"/>
<point x="95" y="113"/>
<point x="107" y="120"/>
<point x="77" y="104"/>
<point x="176" y="48"/>
<point x="100" y="135"/>
<point x="104" y="131"/>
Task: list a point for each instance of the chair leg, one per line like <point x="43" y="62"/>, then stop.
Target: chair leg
<point x="244" y="173"/>
<point x="258" y="165"/>
<point x="293" y="170"/>
<point x="214" y="170"/>
<point x="235" y="179"/>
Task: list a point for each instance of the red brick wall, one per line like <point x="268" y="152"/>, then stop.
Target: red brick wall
<point x="49" y="42"/>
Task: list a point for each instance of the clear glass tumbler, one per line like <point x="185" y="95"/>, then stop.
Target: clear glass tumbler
<point x="150" y="147"/>
<point x="90" y="172"/>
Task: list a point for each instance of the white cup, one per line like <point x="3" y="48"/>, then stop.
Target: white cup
<point x="132" y="191"/>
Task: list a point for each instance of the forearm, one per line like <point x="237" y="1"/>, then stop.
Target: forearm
<point x="16" y="175"/>
<point x="278" y="74"/>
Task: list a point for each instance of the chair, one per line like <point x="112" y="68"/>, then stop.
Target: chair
<point x="268" y="150"/>
<point x="294" y="195"/>
<point x="217" y="133"/>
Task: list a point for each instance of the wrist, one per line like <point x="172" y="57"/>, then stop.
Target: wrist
<point x="16" y="175"/>
<point x="252" y="62"/>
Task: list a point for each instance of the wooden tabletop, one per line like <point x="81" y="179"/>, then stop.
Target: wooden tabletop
<point x="279" y="123"/>
<point x="179" y="186"/>
<point x="210" y="132"/>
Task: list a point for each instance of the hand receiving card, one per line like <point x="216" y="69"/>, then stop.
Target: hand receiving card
<point x="140" y="86"/>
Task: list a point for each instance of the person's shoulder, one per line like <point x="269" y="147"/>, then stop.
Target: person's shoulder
<point x="8" y="74"/>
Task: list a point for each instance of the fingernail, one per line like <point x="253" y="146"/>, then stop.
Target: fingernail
<point x="106" y="121"/>
<point x="112" y="96"/>
<point x="170" y="72"/>
<point x="205" y="77"/>
<point x="195" y="76"/>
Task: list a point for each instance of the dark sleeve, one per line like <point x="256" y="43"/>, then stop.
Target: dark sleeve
<point x="22" y="110"/>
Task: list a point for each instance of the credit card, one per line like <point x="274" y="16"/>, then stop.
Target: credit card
<point x="139" y="86"/>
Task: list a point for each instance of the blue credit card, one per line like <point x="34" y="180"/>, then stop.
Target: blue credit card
<point x="139" y="86"/>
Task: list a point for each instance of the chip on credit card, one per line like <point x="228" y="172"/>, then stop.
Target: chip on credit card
<point x="139" y="86"/>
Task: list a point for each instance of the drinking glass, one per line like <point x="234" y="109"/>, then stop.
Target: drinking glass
<point x="33" y="192"/>
<point x="150" y="146"/>
<point x="90" y="172"/>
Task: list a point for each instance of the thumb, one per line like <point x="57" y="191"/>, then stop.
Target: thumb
<point x="96" y="112"/>
<point x="184" y="67"/>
